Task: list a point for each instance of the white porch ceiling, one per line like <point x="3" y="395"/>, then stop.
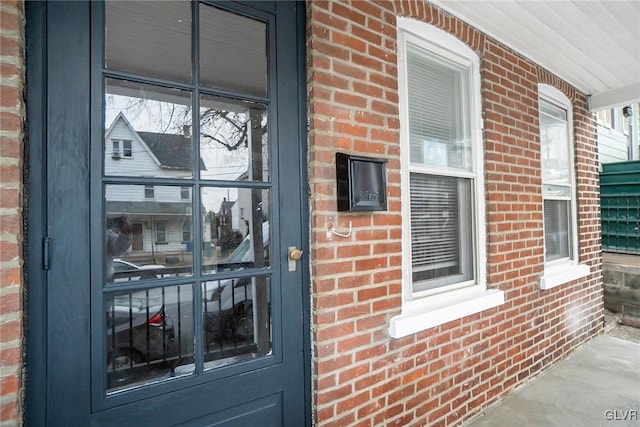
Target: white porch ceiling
<point x="593" y="45"/>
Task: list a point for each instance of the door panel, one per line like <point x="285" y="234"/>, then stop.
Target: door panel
<point x="168" y="297"/>
<point x="137" y="243"/>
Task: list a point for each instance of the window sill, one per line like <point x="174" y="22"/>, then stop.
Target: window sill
<point x="440" y="309"/>
<point x="563" y="273"/>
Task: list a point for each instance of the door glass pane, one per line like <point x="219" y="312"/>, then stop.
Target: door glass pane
<point x="236" y="232"/>
<point x="147" y="332"/>
<point x="233" y="140"/>
<point x="149" y="38"/>
<point x="146" y="226"/>
<point x="147" y="131"/>
<point x="236" y="319"/>
<point x="233" y="52"/>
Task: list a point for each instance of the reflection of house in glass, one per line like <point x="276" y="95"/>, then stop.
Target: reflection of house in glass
<point x="160" y="215"/>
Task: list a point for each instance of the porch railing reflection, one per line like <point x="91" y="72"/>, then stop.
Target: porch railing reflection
<point x="150" y="333"/>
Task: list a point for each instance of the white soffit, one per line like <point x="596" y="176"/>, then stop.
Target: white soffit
<point x="593" y="45"/>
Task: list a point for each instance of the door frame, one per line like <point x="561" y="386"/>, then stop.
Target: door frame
<point x="37" y="245"/>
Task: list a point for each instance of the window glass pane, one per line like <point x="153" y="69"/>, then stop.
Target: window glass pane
<point x="185" y="193"/>
<point x="556" y="191"/>
<point x="441" y="231"/>
<point x="161" y="232"/>
<point x="146" y="235"/>
<point x="236" y="319"/>
<point x="147" y="332"/>
<point x="233" y="140"/>
<point x="554" y="143"/>
<point x="149" y="38"/>
<point x="236" y="232"/>
<point x="439" y="119"/>
<point x="126" y="149"/>
<point x="186" y="231"/>
<point x="157" y="122"/>
<point x="149" y="192"/>
<point x="233" y="52"/>
<point x="557" y="235"/>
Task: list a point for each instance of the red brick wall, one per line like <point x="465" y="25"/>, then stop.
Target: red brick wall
<point x="362" y="376"/>
<point x="448" y="373"/>
<point x="11" y="144"/>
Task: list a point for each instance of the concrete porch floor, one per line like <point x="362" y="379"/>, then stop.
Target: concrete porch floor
<point x="599" y="385"/>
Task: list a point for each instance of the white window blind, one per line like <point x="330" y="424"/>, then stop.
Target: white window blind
<point x="434" y="219"/>
<point x="556" y="229"/>
<point x="438" y="111"/>
<point x="441" y="224"/>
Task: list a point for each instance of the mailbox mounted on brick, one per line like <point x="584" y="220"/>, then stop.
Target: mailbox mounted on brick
<point x="362" y="184"/>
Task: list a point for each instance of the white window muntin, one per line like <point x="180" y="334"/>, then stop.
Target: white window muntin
<point x="439" y="43"/>
<point x="127" y="150"/>
<point x="556" y="98"/>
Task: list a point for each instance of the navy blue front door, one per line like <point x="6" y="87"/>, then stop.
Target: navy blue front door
<point x="160" y="135"/>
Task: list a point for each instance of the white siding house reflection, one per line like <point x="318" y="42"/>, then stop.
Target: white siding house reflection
<point x="160" y="215"/>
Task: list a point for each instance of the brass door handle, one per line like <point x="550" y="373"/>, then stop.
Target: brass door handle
<point x="295" y="253"/>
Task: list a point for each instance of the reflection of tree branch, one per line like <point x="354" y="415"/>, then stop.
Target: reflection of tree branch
<point x="228" y="146"/>
<point x="225" y="115"/>
<point x="229" y="129"/>
<point x="232" y="126"/>
<point x="173" y="109"/>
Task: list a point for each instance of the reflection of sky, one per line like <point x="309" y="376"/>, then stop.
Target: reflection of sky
<point x="149" y="115"/>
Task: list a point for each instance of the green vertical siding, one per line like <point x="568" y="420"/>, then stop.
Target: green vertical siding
<point x="620" y="205"/>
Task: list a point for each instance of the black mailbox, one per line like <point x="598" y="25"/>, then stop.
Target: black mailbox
<point x="361" y="182"/>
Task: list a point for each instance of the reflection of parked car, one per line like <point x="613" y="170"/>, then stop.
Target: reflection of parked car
<point x="139" y="336"/>
<point x="125" y="270"/>
<point x="243" y="256"/>
<point x="229" y="303"/>
<point x="229" y="311"/>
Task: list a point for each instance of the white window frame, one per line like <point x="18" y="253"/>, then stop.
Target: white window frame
<point x="127" y="148"/>
<point x="185" y="193"/>
<point x="149" y="192"/>
<point x="186" y="224"/>
<point x="115" y="144"/>
<point x="164" y="226"/>
<point x="560" y="271"/>
<point x="434" y="307"/>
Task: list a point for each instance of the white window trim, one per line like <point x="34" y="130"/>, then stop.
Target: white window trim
<point x="433" y="308"/>
<point x="559" y="272"/>
<point x="124" y="150"/>
<point x="115" y="145"/>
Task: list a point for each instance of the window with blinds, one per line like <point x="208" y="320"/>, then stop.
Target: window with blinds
<point x="438" y="111"/>
<point x="441" y="221"/>
<point x="441" y="178"/>
<point x="557" y="180"/>
<point x="556" y="229"/>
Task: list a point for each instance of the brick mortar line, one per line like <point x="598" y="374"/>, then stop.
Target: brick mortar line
<point x="10" y="345"/>
<point x="13" y="134"/>
<point x="8" y="264"/>
<point x="14" y="81"/>
<point x="11" y="288"/>
<point x="8" y="399"/>
<point x="9" y="237"/>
